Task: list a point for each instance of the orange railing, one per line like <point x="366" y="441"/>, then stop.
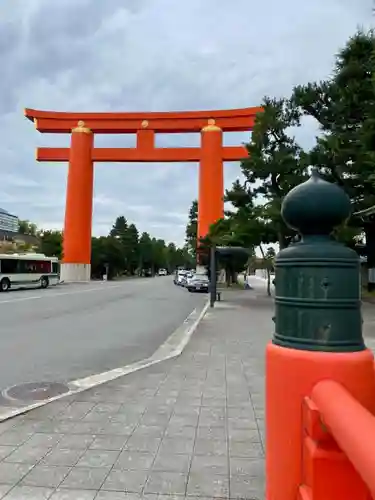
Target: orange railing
<point x="338" y="446"/>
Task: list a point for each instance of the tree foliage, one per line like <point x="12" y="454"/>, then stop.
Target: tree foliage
<point x="344" y="152"/>
<point x="121" y="252"/>
<point x="344" y="108"/>
<point x="192" y="229"/>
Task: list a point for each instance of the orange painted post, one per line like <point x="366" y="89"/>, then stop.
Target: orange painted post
<point x="78" y="212"/>
<point x="211" y="179"/>
<point x="353" y="429"/>
<point x="318" y="335"/>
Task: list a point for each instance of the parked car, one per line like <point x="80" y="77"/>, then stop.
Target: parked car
<point x="188" y="276"/>
<point x="180" y="276"/>
<point x="198" y="283"/>
<point x="162" y="272"/>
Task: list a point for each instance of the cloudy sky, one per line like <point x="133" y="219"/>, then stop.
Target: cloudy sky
<point x="149" y="55"/>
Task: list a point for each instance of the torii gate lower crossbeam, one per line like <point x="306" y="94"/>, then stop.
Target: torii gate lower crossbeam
<point x="82" y="154"/>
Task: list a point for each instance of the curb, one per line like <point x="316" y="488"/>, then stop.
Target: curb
<point x="171" y="348"/>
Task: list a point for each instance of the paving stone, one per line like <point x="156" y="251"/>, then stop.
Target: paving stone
<point x="9" y="424"/>
<point x="177" y="445"/>
<point x="183" y="421"/>
<point x="249" y="467"/>
<point x="213" y="464"/>
<point x="14" y="438"/>
<point x="107" y="442"/>
<point x="190" y="407"/>
<point x="219" y="433"/>
<point x="166" y="483"/>
<point x="129" y="481"/>
<point x="44" y="440"/>
<point x="27" y="454"/>
<point x="117" y="495"/>
<point x="94" y="416"/>
<point x="134" y="460"/>
<point x="212" y="402"/>
<point x="78" y="442"/>
<point x="13" y="473"/>
<point x="56" y="427"/>
<point x="4" y="488"/>
<point x="98" y="458"/>
<point x="109" y="408"/>
<point x="62" y="457"/>
<point x="247" y="487"/>
<point x="210" y="447"/>
<point x="116" y="428"/>
<point x="6" y="451"/>
<point x="245" y="449"/>
<point x="149" y="431"/>
<point x="29" y="493"/>
<point x="169" y="462"/>
<point x="176" y="431"/>
<point x="46" y="476"/>
<point x="244" y="435"/>
<point x="85" y="478"/>
<point x="61" y="494"/>
<point x="75" y="411"/>
<point x="155" y="419"/>
<point x="208" y="485"/>
<point x="143" y="443"/>
<point x="130" y="420"/>
<point x="242" y="423"/>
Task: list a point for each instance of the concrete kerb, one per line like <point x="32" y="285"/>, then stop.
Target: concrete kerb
<point x="171" y="348"/>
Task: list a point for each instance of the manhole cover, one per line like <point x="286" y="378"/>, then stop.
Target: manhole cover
<point x="34" y="391"/>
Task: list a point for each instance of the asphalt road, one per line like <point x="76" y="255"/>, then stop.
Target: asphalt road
<point x="72" y="331"/>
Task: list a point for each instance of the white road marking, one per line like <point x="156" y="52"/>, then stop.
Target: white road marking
<point x="171" y="348"/>
<point x="59" y="294"/>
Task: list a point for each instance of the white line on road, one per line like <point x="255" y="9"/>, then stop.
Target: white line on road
<point x="53" y="295"/>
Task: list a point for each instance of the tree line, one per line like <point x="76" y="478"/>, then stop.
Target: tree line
<point x="124" y="251"/>
<point x="343" y="107"/>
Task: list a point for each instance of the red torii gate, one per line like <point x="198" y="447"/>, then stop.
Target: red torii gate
<point x="82" y="154"/>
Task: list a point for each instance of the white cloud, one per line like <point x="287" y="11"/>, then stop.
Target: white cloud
<point x="151" y="55"/>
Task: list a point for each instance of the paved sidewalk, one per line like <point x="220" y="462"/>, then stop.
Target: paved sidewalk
<point x="189" y="427"/>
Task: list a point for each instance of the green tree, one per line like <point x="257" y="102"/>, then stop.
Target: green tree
<point x="276" y="163"/>
<point x="159" y="254"/>
<point x="132" y="249"/>
<point x="192" y="228"/>
<point x="145" y="253"/>
<point x="27" y="227"/>
<point x="107" y="257"/>
<point x="344" y="107"/>
<point x="50" y="243"/>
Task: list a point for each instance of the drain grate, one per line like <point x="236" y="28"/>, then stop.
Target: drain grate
<point x="33" y="392"/>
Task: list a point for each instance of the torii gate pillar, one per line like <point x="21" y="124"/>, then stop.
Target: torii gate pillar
<point x="211" y="181"/>
<point x="76" y="264"/>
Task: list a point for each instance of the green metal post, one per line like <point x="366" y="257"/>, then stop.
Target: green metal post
<point x="317" y="280"/>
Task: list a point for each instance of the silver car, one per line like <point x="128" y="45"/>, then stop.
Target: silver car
<point x="198" y="283"/>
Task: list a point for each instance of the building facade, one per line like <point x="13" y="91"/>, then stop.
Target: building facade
<point x="8" y="222"/>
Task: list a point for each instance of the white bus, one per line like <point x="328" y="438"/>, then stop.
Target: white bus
<point x="28" y="270"/>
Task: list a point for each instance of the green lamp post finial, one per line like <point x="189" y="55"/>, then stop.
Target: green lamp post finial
<point x="317" y="297"/>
